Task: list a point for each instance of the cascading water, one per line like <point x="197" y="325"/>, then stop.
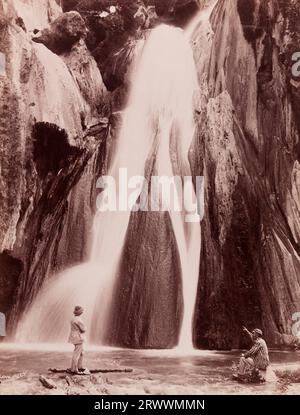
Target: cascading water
<point x="161" y="116"/>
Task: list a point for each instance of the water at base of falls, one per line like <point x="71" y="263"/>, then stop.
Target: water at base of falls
<point x="160" y="112"/>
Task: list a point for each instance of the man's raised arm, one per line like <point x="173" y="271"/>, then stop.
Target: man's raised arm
<point x="248" y="332"/>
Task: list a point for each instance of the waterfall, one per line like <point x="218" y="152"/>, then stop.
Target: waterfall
<point x="160" y="118"/>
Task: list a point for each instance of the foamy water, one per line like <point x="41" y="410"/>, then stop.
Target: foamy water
<point x="160" y="116"/>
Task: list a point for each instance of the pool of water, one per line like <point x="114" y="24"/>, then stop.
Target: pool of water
<point x="154" y="371"/>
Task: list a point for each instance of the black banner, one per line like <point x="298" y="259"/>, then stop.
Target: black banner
<point x="147" y="404"/>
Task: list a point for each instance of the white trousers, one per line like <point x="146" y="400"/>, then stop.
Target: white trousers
<point x="77" y="358"/>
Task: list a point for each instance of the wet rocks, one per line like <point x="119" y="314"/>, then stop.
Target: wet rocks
<point x="32" y="16"/>
<point x="178" y="12"/>
<point x="10" y="270"/>
<point x="250" y="264"/>
<point x="63" y="32"/>
<point x="50" y="158"/>
<point x="247" y="147"/>
<point x="47" y="383"/>
<point x="89" y="79"/>
<point x="147" y="304"/>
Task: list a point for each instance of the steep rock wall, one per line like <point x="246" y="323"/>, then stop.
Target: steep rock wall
<point x="50" y="154"/>
<point x="147" y="305"/>
<point x="248" y="142"/>
<point x="246" y="146"/>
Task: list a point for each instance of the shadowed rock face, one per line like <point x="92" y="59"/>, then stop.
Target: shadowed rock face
<point x="248" y="139"/>
<point x="50" y="156"/>
<point x="246" y="146"/>
<point x="177" y="12"/>
<point x="63" y="32"/>
<point x="147" y="305"/>
<point x="10" y="271"/>
<point x="110" y="35"/>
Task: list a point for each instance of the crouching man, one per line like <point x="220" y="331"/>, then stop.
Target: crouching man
<point x="77" y="338"/>
<point x="257" y="357"/>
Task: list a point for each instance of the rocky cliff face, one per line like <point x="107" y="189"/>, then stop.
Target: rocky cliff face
<point x="147" y="306"/>
<point x="246" y="146"/>
<point x="248" y="141"/>
<point x="50" y="155"/>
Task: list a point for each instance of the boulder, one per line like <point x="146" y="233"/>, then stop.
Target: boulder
<point x="61" y="35"/>
<point x="47" y="383"/>
<point x="178" y="12"/>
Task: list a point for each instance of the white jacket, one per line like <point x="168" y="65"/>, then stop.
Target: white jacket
<point x="77" y="335"/>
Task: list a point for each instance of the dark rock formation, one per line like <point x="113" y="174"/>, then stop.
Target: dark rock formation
<point x="246" y="146"/>
<point x="50" y="155"/>
<point x="51" y="150"/>
<point x="68" y="5"/>
<point x="112" y="37"/>
<point x="111" y="34"/>
<point x="147" y="306"/>
<point x="11" y="269"/>
<point x="178" y="12"/>
<point x="63" y="32"/>
<point x="248" y="140"/>
<point x="86" y="73"/>
<point x="116" y="70"/>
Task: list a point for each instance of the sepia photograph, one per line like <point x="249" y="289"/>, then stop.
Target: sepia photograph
<point x="149" y="202"/>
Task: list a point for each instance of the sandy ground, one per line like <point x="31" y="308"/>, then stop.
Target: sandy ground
<point x="153" y="372"/>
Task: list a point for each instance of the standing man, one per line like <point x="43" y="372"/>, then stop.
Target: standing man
<point x="257" y="357"/>
<point x="77" y="337"/>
